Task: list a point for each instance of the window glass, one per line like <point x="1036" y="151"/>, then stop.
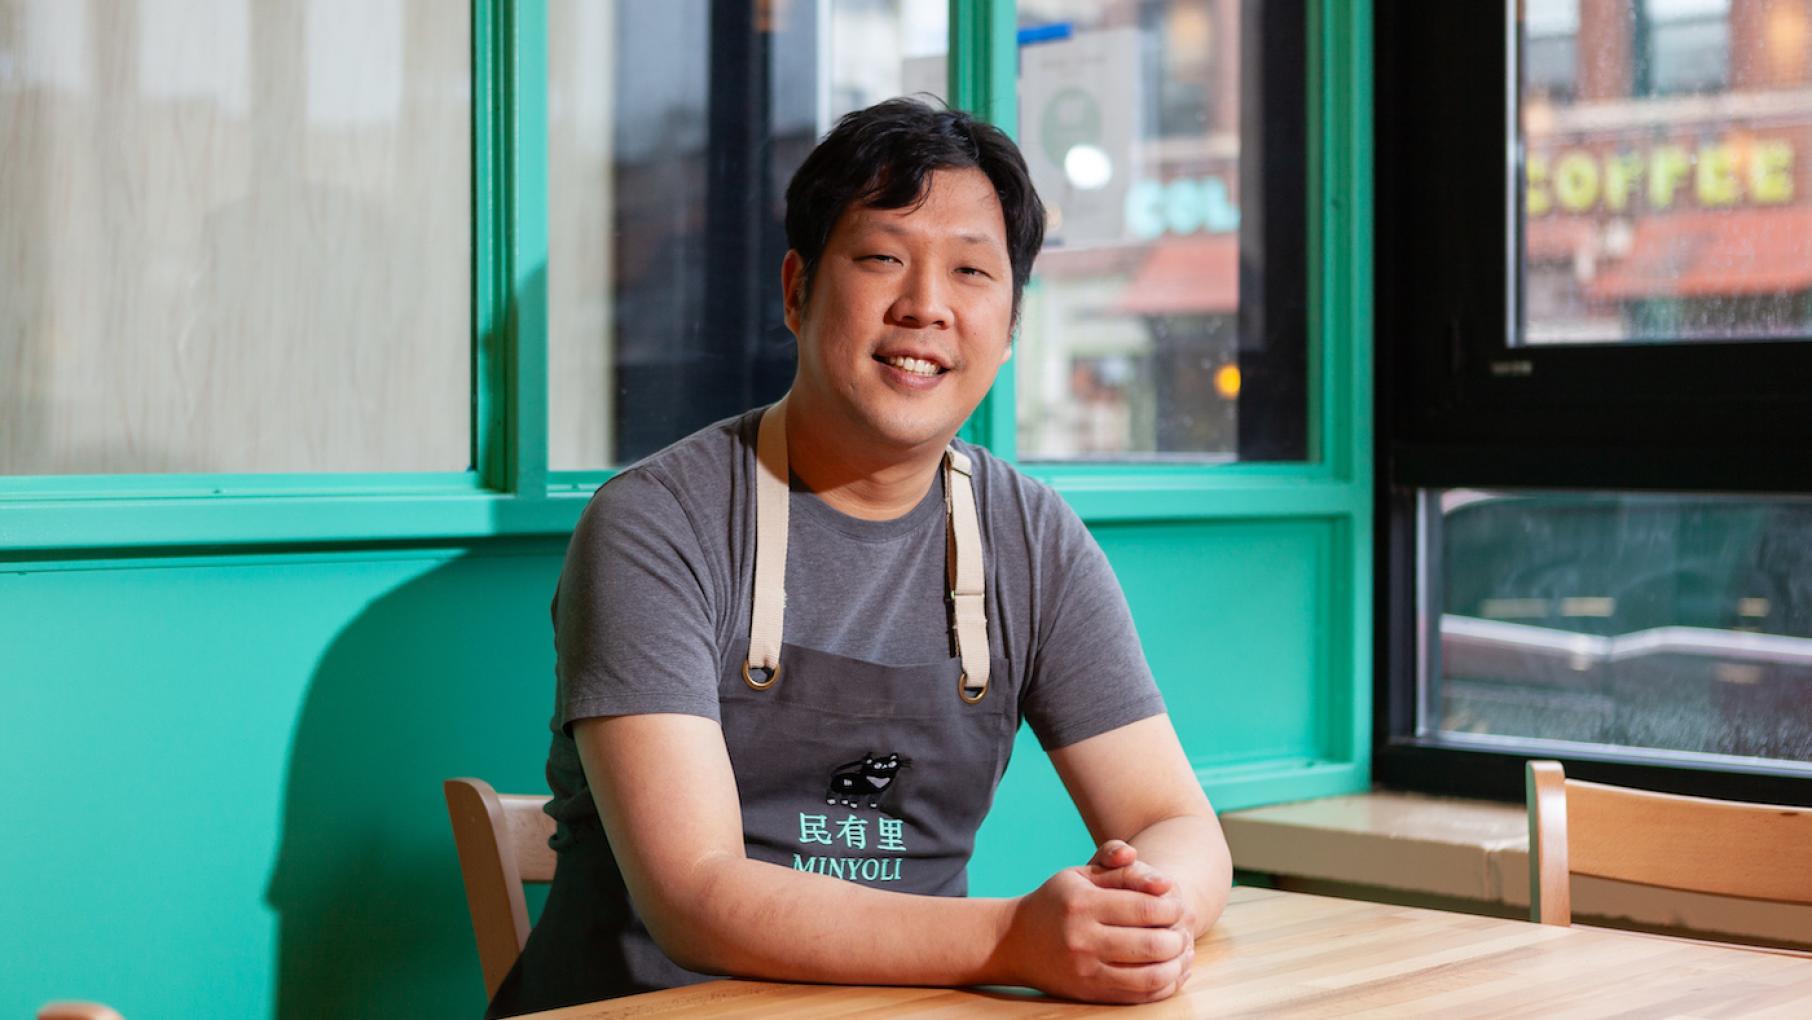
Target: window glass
<point x="235" y="236"/>
<point x="674" y="129"/>
<point x="1667" y="622"/>
<point x="1132" y="344"/>
<point x="1550" y="40"/>
<point x="1685" y="46"/>
<point x="1666" y="189"/>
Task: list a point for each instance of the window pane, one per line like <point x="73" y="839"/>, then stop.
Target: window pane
<point x="1132" y="343"/>
<point x="1680" y="623"/>
<point x="1686" y="47"/>
<point x="235" y="236"/>
<point x="667" y="169"/>
<point x="1666" y="189"/>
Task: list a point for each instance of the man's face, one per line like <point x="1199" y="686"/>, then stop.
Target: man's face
<point x="910" y="315"/>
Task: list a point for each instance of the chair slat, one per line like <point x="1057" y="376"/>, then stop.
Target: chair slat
<point x="530" y="829"/>
<point x="1729" y="848"/>
<point x="1724" y="848"/>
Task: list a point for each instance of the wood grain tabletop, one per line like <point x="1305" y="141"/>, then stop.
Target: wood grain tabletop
<point x="1279" y="954"/>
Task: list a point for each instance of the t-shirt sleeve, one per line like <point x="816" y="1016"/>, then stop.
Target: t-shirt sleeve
<point x="633" y="615"/>
<point x="1088" y="671"/>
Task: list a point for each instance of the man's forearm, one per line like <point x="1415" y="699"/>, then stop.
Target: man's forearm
<point x="752" y="919"/>
<point x="1190" y="851"/>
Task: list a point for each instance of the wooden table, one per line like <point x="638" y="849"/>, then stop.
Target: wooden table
<point x="1287" y="954"/>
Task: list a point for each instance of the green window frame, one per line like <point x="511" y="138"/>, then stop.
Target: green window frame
<point x="510" y="491"/>
<point x="505" y="490"/>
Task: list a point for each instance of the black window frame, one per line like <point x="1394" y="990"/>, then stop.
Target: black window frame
<point x="1459" y="406"/>
<point x="1273" y="311"/>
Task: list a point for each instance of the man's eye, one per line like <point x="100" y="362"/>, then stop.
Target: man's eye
<point x="973" y="271"/>
<point x="879" y="258"/>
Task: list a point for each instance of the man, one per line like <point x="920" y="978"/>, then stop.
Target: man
<point x="793" y="648"/>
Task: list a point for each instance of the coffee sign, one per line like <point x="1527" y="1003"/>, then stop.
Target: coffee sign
<point x="1713" y="176"/>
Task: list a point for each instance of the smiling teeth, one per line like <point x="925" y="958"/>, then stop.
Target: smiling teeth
<point x="917" y="366"/>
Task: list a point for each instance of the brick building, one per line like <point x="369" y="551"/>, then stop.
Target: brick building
<point x="1667" y="170"/>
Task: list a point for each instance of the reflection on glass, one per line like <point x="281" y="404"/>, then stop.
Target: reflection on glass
<point x="674" y="128"/>
<point x="1666" y="189"/>
<point x="1129" y="119"/>
<point x="235" y="236"/>
<point x="1668" y="622"/>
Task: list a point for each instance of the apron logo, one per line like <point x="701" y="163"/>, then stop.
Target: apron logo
<point x="857" y="784"/>
<point x="863" y="783"/>
<point x="852" y="832"/>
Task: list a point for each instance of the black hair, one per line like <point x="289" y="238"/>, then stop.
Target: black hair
<point x="883" y="157"/>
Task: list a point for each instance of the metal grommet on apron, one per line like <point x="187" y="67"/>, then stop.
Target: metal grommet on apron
<point x="963" y="556"/>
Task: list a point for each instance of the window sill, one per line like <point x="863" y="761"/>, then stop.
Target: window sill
<point x="314" y="518"/>
<point x="1471" y="856"/>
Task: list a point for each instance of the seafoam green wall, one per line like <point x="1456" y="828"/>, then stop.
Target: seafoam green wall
<point x="227" y="768"/>
<point x="1226" y="614"/>
<point x="225" y="774"/>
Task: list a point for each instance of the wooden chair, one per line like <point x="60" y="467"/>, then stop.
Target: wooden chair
<point x="1730" y="848"/>
<point x="502" y="843"/>
<point x="77" y="1011"/>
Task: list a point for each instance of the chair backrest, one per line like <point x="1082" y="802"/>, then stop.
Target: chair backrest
<point x="77" y="1011"/>
<point x="502" y="843"/>
<point x="1729" y="848"/>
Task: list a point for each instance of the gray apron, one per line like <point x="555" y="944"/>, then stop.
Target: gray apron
<point x="873" y="774"/>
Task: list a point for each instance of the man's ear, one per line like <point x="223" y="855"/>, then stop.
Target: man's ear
<point x="792" y="289"/>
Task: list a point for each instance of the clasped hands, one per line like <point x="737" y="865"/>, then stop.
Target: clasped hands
<point x="1113" y="930"/>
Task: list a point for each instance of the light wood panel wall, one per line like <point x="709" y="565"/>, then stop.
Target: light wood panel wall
<point x="581" y="200"/>
<point x="235" y="236"/>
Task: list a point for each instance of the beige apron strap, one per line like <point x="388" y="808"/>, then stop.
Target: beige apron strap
<point x="969" y="619"/>
<point x="967" y="603"/>
<point x="767" y="619"/>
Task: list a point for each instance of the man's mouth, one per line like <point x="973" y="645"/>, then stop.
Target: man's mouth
<point x="917" y="366"/>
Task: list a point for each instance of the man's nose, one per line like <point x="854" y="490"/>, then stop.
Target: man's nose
<point x="924" y="302"/>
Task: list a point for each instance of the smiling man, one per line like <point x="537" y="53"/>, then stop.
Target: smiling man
<point x="794" y="647"/>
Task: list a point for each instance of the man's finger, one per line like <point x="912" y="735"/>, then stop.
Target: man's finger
<point x="1143" y="945"/>
<point x="1136" y="877"/>
<point x="1115" y="853"/>
<point x="1143" y="982"/>
<point x="1132" y="909"/>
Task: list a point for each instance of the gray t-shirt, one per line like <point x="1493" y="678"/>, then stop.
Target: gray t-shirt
<point x="654" y="599"/>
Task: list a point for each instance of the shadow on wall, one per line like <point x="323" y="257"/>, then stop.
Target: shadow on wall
<point x="450" y="674"/>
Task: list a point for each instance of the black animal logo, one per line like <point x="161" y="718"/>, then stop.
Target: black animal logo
<point x="862" y="783"/>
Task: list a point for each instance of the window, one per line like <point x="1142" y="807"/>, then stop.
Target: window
<point x="1683" y="46"/>
<point x="1656" y="219"/>
<point x="302" y="249"/>
<point x="235" y="236"/>
<point x="668" y="164"/>
<point x="1550" y="50"/>
<point x="1167" y="319"/>
<point x="1592" y="414"/>
<point x="1625" y="622"/>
